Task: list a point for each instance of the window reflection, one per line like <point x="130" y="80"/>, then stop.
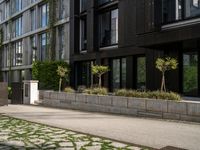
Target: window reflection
<point x="190" y="73"/>
<point x="141" y="73"/>
<point x="108" y="28"/>
<point x="119" y="73"/>
<point x="175" y="10"/>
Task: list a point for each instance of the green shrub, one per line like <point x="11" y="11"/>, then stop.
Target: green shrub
<point x="9" y="92"/>
<point x="46" y="73"/>
<point x="164" y="95"/>
<point x="96" y="91"/>
<point x="81" y="88"/>
<point x="69" y="90"/>
<point x="149" y="94"/>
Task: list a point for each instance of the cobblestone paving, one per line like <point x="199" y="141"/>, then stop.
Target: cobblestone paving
<point x="19" y="134"/>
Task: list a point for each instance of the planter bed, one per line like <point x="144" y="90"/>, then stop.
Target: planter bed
<point x="165" y="109"/>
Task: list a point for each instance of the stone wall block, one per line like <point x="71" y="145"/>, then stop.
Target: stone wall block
<point x="177" y="107"/>
<point x="81" y="98"/>
<point x="156" y="105"/>
<point x="53" y="95"/>
<point x="92" y="99"/>
<point x="41" y="94"/>
<point x="105" y="100"/>
<point x="194" y="109"/>
<point x="137" y="103"/>
<point x="61" y="96"/>
<point x="119" y="101"/>
<point x="70" y="96"/>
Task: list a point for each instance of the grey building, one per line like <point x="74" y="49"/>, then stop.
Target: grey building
<point x="26" y="27"/>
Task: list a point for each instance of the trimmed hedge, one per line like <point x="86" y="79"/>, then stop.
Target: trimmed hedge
<point x="96" y="91"/>
<point x="149" y="94"/>
<point x="46" y="74"/>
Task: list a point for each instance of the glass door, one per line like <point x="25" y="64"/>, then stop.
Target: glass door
<point x="190" y="73"/>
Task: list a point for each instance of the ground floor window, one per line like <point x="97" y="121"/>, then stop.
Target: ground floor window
<point x="83" y="74"/>
<point x="190" y="73"/>
<point x="141" y="73"/>
<point x="119" y="73"/>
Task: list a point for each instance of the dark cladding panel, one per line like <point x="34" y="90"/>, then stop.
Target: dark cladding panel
<point x="149" y="15"/>
<point x="74" y="25"/>
<point x="157" y="14"/>
<point x="127" y="22"/>
<point x="130" y="73"/>
<point x="153" y="75"/>
<point x="145" y="16"/>
<point x="140" y="15"/>
<point x="90" y="30"/>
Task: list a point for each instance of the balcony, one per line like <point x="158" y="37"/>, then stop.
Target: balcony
<point x="179" y="10"/>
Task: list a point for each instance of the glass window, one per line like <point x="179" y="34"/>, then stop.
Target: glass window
<point x="33" y="1"/>
<point x="44" y="15"/>
<point x="116" y="74"/>
<point x="114" y="26"/>
<point x="7" y="10"/>
<point x="190" y="73"/>
<point x="7" y="56"/>
<point x="141" y="73"/>
<point x="83" y="33"/>
<point x="43" y="46"/>
<point x="61" y="42"/>
<point x="108" y="28"/>
<point x="123" y="70"/>
<point x="33" y="20"/>
<point x="16" y="5"/>
<point x="17" y="27"/>
<point x="84" y="75"/>
<point x="7" y="31"/>
<point x="33" y="49"/>
<point x="18" y="53"/>
<point x="61" y="9"/>
<point x="119" y="73"/>
<point x="4" y="56"/>
<point x="175" y="10"/>
<point x="83" y="5"/>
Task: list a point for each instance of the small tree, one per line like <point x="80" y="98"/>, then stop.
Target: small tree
<point x="99" y="71"/>
<point x="62" y="73"/>
<point x="163" y="65"/>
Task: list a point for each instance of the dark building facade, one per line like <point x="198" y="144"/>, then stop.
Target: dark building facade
<point x="129" y="35"/>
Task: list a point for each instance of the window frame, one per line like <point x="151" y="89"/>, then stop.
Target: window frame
<point x="110" y="10"/>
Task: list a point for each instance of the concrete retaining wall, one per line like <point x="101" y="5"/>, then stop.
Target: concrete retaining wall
<point x="3" y="93"/>
<point x="186" y="111"/>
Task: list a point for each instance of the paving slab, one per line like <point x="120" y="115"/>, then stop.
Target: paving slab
<point x="142" y="131"/>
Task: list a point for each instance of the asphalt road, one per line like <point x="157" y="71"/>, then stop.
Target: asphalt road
<point x="140" y="131"/>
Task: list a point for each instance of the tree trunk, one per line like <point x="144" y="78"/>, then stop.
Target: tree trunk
<point x="163" y="86"/>
<point x="99" y="81"/>
<point x="60" y="83"/>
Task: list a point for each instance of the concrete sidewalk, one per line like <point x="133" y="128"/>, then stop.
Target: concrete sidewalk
<point x="141" y="131"/>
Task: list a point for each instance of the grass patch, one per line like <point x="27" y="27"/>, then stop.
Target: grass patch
<point x="20" y="134"/>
